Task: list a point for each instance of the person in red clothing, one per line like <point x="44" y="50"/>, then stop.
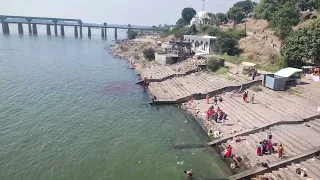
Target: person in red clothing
<point x="212" y="112"/>
<point x="228" y="152"/>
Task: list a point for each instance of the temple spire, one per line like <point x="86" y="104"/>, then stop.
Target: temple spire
<point x="203" y="4"/>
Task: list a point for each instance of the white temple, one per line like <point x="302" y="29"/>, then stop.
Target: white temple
<point x="199" y="18"/>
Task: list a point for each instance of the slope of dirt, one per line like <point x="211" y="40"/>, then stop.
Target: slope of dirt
<point x="256" y="50"/>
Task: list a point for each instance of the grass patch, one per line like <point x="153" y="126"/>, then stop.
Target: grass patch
<point x="230" y="78"/>
<point x="233" y="59"/>
<point x="222" y="70"/>
<point x="239" y="59"/>
<point x="270" y="68"/>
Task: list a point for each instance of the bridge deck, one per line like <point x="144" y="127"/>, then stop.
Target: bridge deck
<point x="65" y="22"/>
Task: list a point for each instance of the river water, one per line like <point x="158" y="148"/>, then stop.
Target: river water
<point x="69" y="110"/>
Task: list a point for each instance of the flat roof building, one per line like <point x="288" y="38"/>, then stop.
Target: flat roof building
<point x="205" y="44"/>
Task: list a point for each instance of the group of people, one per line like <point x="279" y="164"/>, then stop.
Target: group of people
<point x="217" y="116"/>
<point x="265" y="147"/>
<point x="246" y="96"/>
<point x="215" y="99"/>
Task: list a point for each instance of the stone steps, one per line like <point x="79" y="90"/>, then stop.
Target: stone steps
<point x="237" y="117"/>
<point x="310" y="166"/>
<point x="288" y="99"/>
<point x="277" y="105"/>
<point x="292" y="142"/>
<point x="258" y="119"/>
<point x="196" y="81"/>
<point x="180" y="87"/>
<point x="315" y="125"/>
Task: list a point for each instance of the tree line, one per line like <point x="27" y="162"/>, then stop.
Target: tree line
<point x="300" y="46"/>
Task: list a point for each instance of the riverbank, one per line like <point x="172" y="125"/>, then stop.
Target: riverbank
<point x="131" y="51"/>
<point x="248" y="122"/>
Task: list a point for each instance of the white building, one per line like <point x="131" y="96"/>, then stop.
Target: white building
<point x="200" y="18"/>
<point x="205" y="44"/>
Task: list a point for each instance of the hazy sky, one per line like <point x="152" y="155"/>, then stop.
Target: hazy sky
<point x="138" y="12"/>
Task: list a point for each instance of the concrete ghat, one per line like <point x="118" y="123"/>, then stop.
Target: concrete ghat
<point x="245" y="133"/>
<point x="295" y="159"/>
<point x="169" y="77"/>
<point x="203" y="96"/>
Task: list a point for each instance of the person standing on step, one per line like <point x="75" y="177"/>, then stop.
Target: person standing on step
<point x="259" y="149"/>
<point x="269" y="135"/>
<point x="269" y="146"/>
<point x="252" y="99"/>
<point x="280" y="151"/>
<point x="208" y="99"/>
<point x="245" y="97"/>
<point x="215" y="100"/>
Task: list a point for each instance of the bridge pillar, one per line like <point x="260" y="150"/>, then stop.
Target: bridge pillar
<point x="115" y="34"/>
<point x="5" y="28"/>
<point x="102" y="33"/>
<point x="34" y="29"/>
<point x="29" y="28"/>
<point x="20" y="28"/>
<point x="80" y="28"/>
<point x="105" y="30"/>
<point x="89" y="32"/>
<point x="62" y="30"/>
<point x="56" y="29"/>
<point x="48" y="29"/>
<point x="76" y="31"/>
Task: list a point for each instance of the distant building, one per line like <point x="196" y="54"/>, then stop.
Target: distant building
<point x="205" y="44"/>
<point x="180" y="48"/>
<point x="201" y="18"/>
<point x="173" y="52"/>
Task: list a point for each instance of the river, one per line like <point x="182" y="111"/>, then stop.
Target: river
<point x="69" y="110"/>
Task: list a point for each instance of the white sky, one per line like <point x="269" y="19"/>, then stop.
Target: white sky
<point x="137" y="12"/>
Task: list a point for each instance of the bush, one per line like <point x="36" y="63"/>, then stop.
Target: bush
<point x="213" y="31"/>
<point x="227" y="45"/>
<point x="132" y="34"/>
<point x="213" y="64"/>
<point x="148" y="54"/>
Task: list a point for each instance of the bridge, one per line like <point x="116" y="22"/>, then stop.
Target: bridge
<point x="62" y="22"/>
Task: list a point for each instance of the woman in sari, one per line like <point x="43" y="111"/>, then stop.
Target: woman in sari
<point x="228" y="152"/>
<point x="259" y="149"/>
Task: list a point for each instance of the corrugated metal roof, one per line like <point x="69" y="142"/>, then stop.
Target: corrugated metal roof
<point x="287" y="72"/>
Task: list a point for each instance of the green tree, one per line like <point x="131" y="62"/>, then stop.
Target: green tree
<point x="265" y="9"/>
<point x="178" y="32"/>
<point x="227" y="45"/>
<point x="132" y="34"/>
<point x="187" y="14"/>
<point x="234" y="33"/>
<point x="246" y="6"/>
<point x="148" y="54"/>
<point x="193" y="29"/>
<point x="283" y="19"/>
<point x="213" y="31"/>
<point x="213" y="64"/>
<point x="180" y="22"/>
<point x="236" y="14"/>
<point x="303" y="45"/>
<point x="218" y="18"/>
